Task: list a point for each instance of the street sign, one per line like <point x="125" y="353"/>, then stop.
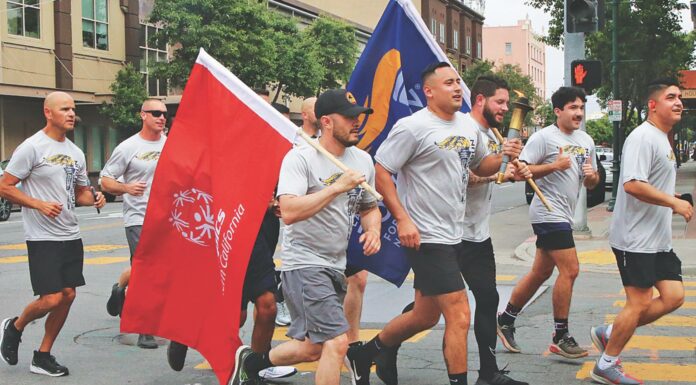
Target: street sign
<point x="614" y="109"/>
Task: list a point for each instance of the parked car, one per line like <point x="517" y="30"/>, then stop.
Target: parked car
<point x="5" y="205"/>
<point x="606" y="151"/>
<point x="594" y="197"/>
<point x="607" y="164"/>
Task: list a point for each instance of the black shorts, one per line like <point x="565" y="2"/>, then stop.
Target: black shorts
<point x="644" y="269"/>
<point x="55" y="265"/>
<point x="436" y="268"/>
<point x="260" y="275"/>
<point x="477" y="264"/>
<point x="352" y="270"/>
<point x="553" y="236"/>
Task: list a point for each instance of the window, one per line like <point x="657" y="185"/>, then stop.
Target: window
<point x="433" y="26"/>
<point x="23" y="18"/>
<point x="152" y="52"/>
<point x="479" y="50"/>
<point x="95" y="24"/>
<point x="508" y="48"/>
<point x="468" y="45"/>
<point x="455" y="40"/>
<point x="442" y="33"/>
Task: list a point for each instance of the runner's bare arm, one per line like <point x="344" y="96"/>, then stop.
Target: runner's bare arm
<point x="9" y="191"/>
<point x="371" y="222"/>
<point x="648" y="193"/>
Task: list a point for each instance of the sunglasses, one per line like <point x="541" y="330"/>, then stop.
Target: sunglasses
<point x="157" y="113"/>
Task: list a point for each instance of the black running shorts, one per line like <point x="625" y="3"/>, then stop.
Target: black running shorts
<point x="477" y="264"/>
<point x="55" y="265"/>
<point x="436" y="268"/>
<point x="553" y="236"/>
<point x="644" y="269"/>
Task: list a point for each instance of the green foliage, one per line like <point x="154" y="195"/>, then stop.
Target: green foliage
<point x="651" y="45"/>
<point x="544" y="114"/>
<point x="337" y="50"/>
<point x="601" y="130"/>
<point x="513" y="75"/>
<point x="129" y="94"/>
<point x="260" y="46"/>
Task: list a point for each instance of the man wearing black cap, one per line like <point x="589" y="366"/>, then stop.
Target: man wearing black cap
<point x="318" y="204"/>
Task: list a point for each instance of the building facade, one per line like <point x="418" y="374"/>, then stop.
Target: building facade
<point x="518" y="45"/>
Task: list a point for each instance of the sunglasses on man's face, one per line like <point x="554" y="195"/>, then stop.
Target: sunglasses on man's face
<point x="157" y="113"/>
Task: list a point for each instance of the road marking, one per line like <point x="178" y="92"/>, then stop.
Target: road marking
<point x="365" y="335"/>
<point x="88" y="248"/>
<point x="668" y="320"/>
<point x="686" y="305"/>
<point x="689" y="284"/>
<point x="498" y="278"/>
<point x="687" y="293"/>
<point x="105" y="260"/>
<point x="661" y="343"/>
<point x="15" y="246"/>
<point x="649" y="371"/>
<point x="302" y="367"/>
<point x="15" y="259"/>
<point x="597" y="257"/>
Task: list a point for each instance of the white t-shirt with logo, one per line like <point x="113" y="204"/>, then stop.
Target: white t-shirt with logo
<point x="478" y="196"/>
<point x="561" y="188"/>
<point x="49" y="171"/>
<point x="134" y="159"/>
<point x="637" y="226"/>
<point x="322" y="239"/>
<point x="432" y="158"/>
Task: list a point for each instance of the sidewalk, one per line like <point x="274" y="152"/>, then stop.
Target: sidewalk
<point x="595" y="253"/>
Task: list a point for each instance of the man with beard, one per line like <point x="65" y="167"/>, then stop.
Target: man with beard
<point x="318" y="204"/>
<point x="432" y="152"/>
<point x="562" y="159"/>
<point x="53" y="173"/>
<point x="135" y="160"/>
<point x="641" y="231"/>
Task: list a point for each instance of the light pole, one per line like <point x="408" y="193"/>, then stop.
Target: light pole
<point x="618" y="131"/>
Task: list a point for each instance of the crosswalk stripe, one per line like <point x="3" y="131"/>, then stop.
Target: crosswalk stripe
<point x="15" y="246"/>
<point x="661" y="343"/>
<point x="87" y="248"/>
<point x="365" y="335"/>
<point x="649" y="371"/>
<point x="690" y="284"/>
<point x="688" y="293"/>
<point x="668" y="320"/>
<point x="686" y="305"/>
<point x="14" y="259"/>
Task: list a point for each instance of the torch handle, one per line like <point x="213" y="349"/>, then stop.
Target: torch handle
<point x="512" y="134"/>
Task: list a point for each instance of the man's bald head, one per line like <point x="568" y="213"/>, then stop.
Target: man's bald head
<point x="55" y="98"/>
<point x="308" y="116"/>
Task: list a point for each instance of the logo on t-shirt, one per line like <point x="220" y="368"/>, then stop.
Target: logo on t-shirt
<point x="580" y="154"/>
<point x="464" y="147"/>
<point x="148" y="156"/>
<point x="70" y="167"/>
<point x="354" y="197"/>
<point x="493" y="147"/>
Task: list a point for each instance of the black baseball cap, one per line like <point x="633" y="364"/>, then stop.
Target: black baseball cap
<point x="339" y="101"/>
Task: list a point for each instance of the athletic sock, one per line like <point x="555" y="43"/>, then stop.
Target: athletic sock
<point x="257" y="362"/>
<point x="509" y="316"/>
<point x="457" y="379"/>
<point x="560" y="326"/>
<point x="373" y="347"/>
<point x="606" y="361"/>
<point x="607" y="333"/>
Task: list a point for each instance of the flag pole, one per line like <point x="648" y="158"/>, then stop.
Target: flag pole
<point x="335" y="161"/>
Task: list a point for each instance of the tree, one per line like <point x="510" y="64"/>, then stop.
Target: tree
<point x="337" y="50"/>
<point x="515" y="79"/>
<point x="601" y="130"/>
<point x="544" y="114"/>
<point x="652" y="46"/>
<point x="129" y="94"/>
<point x="260" y="46"/>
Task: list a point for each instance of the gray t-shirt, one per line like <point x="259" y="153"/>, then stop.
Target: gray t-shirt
<point x="561" y="188"/>
<point x="49" y="171"/>
<point x="637" y="226"/>
<point x="322" y="239"/>
<point x="134" y="159"/>
<point x="432" y="158"/>
<point x="478" y="196"/>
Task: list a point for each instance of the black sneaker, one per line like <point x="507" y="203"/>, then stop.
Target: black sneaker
<point x="507" y="337"/>
<point x="358" y="365"/>
<point x="47" y="365"/>
<point x="176" y="355"/>
<point x="240" y="375"/>
<point x="114" y="305"/>
<point x="146" y="341"/>
<point x="385" y="362"/>
<point x="499" y="378"/>
<point x="9" y="341"/>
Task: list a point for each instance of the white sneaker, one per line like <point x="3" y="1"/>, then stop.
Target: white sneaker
<point x="277" y="372"/>
<point x="283" y="314"/>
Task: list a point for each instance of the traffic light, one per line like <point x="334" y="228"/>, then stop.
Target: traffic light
<point x="581" y="15"/>
<point x="586" y="74"/>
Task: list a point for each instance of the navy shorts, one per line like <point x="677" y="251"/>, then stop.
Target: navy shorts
<point x="554" y="235"/>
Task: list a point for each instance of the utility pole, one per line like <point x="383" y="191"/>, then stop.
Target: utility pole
<point x="618" y="131"/>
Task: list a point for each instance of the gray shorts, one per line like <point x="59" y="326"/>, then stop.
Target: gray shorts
<point x="314" y="296"/>
<point x="133" y="237"/>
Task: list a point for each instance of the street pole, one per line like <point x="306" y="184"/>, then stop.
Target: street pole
<point x="574" y="49"/>
<point x="618" y="132"/>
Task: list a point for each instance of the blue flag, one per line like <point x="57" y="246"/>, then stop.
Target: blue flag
<point x="387" y="78"/>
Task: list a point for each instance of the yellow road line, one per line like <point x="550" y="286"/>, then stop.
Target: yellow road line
<point x="105" y="260"/>
<point x="662" y="343"/>
<point x="690" y="284"/>
<point x="597" y="257"/>
<point x="15" y="246"/>
<point x="686" y="305"/>
<point x="365" y="334"/>
<point x="668" y="320"/>
<point x="303" y="367"/>
<point x="90" y="248"/>
<point x="688" y="293"/>
<point x="498" y="278"/>
<point x="15" y="259"/>
<point x="649" y="371"/>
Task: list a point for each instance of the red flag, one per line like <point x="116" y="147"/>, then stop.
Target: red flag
<point x="212" y="185"/>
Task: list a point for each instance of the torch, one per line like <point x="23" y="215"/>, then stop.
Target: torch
<point x="520" y="110"/>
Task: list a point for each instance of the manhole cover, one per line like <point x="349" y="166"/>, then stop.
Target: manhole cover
<point x="109" y="336"/>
